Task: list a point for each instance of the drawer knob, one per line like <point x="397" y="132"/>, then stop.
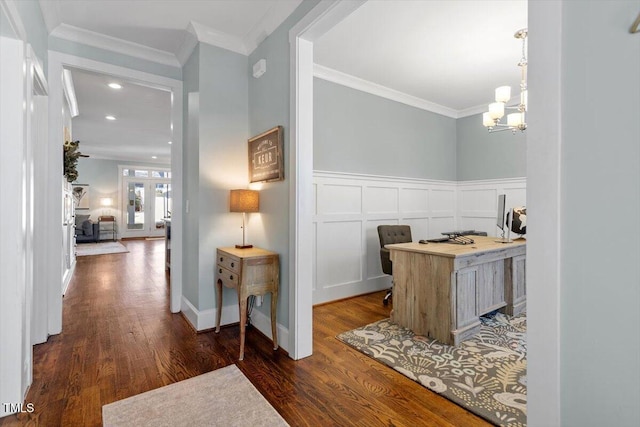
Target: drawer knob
<point x="220" y="259"/>
<point x="233" y="264"/>
<point x="231" y="277"/>
<point x="220" y="270"/>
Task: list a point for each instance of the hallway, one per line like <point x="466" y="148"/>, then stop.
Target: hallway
<point x="120" y="339"/>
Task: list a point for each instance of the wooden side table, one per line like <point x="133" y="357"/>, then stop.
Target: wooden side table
<point x="251" y="271"/>
<point x="107" y="225"/>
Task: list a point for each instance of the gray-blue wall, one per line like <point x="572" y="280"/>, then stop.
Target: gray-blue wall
<point x="484" y="155"/>
<point x="600" y="206"/>
<point x="358" y="132"/>
<point x="224" y="118"/>
<point x="269" y="107"/>
<point x="190" y="174"/>
<point x="215" y="161"/>
<point x="36" y="30"/>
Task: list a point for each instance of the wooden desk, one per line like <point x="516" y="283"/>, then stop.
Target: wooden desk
<point x="441" y="289"/>
<point x="252" y="271"/>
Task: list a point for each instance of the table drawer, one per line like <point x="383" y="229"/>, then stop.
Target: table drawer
<point x="229" y="262"/>
<point x="227" y="277"/>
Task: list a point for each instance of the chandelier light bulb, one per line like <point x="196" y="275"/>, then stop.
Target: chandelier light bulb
<point x="514" y="120"/>
<point x="487" y="121"/>
<point x="496" y="110"/>
<point x="503" y="94"/>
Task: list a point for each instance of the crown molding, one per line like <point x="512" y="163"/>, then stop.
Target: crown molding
<point x="10" y="10"/>
<point x="472" y="111"/>
<point x="275" y="16"/>
<point x="51" y="14"/>
<point x="217" y="38"/>
<point x="194" y="33"/>
<point x="102" y="41"/>
<point x="188" y="44"/>
<point x="357" y="83"/>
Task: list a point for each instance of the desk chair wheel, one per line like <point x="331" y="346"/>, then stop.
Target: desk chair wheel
<point x="387" y="297"/>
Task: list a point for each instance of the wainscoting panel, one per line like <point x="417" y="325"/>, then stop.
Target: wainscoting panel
<point x="383" y="200"/>
<point x="414" y="200"/>
<point x="349" y="208"/>
<point x="339" y="199"/>
<point x="478" y="202"/>
<point x="340" y="249"/>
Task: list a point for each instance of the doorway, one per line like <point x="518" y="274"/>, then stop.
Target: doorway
<point x="145" y="195"/>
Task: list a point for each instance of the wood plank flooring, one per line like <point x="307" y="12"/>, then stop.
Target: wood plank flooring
<point x="120" y="339"/>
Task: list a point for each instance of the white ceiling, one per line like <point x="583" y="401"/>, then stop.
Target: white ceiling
<point x="143" y="119"/>
<point x="446" y="55"/>
<point x="449" y="53"/>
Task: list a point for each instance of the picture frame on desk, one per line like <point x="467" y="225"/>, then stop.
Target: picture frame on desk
<point x="266" y="156"/>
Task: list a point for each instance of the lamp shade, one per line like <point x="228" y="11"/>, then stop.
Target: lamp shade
<point x="244" y="201"/>
<point x="106" y="201"/>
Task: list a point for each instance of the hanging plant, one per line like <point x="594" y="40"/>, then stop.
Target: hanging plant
<point x="70" y="159"/>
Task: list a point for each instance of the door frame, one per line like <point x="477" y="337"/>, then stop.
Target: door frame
<point x="148" y="181"/>
<point x="544" y="144"/>
<point x="57" y="61"/>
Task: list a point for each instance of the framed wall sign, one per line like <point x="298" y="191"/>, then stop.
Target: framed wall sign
<point x="266" y="156"/>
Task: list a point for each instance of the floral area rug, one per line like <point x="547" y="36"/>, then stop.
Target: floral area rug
<point x="486" y="375"/>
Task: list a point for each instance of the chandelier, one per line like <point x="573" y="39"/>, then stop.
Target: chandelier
<point x="515" y="121"/>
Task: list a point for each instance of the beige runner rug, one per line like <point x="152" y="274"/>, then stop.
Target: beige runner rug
<point x="224" y="397"/>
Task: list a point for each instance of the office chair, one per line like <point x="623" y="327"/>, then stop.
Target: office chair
<point x="390" y="234"/>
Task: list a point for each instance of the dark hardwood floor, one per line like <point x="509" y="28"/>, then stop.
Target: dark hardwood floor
<point x="120" y="339"/>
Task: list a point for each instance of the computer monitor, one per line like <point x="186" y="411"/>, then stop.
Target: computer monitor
<point x="502" y="202"/>
<point x="500" y="219"/>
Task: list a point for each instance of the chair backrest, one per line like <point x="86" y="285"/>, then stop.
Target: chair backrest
<point x="390" y="234"/>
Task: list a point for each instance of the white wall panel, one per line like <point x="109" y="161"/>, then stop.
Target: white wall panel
<point x="414" y="200"/>
<point x="381" y="200"/>
<point x="350" y="207"/>
<point x="419" y="228"/>
<point x="478" y="202"/>
<point x="442" y="201"/>
<point x="339" y="199"/>
<point x="439" y="225"/>
<point x="367" y="201"/>
<point x="339" y="253"/>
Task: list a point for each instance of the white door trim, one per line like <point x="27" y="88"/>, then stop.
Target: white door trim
<point x="57" y="61"/>
<point x="317" y="22"/>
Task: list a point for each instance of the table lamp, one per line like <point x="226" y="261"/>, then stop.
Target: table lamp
<point x="244" y="201"/>
<point x="106" y="202"/>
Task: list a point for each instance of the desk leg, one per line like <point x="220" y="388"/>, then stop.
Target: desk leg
<point x="242" y="302"/>
<point x="274" y="326"/>
<point x="219" y="304"/>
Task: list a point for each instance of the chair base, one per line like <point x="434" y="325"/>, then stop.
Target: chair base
<point x="387" y="297"/>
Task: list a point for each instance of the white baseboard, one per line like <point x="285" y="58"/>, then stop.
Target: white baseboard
<point x="206" y="319"/>
<point x="67" y="277"/>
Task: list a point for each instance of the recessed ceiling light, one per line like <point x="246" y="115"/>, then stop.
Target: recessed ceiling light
<point x="109" y="117"/>
<point x="154" y="157"/>
<point x="115" y="86"/>
<point x="170" y="142"/>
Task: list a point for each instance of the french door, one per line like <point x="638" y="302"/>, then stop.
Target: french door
<point x="146" y="202"/>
